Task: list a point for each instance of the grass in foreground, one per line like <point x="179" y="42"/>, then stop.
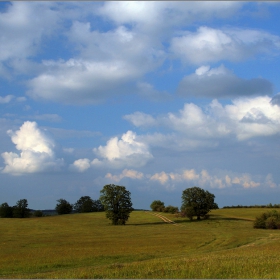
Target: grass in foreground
<point x="87" y="246"/>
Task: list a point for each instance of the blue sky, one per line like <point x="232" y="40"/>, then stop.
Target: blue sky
<point x="155" y="96"/>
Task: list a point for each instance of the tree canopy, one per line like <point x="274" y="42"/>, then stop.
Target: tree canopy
<point x="197" y="202"/>
<point x="85" y="204"/>
<point x="157" y="205"/>
<point x="63" y="207"/>
<point x="20" y="210"/>
<point x="117" y="203"/>
<point x="6" y="211"/>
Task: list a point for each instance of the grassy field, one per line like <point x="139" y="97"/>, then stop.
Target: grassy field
<point x="88" y="246"/>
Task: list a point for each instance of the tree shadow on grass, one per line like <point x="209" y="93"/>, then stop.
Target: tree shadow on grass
<point x="213" y="218"/>
<point x="218" y="217"/>
<point x="146" y="224"/>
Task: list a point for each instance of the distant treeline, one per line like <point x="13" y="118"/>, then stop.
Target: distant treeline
<point x="255" y="206"/>
<point x="83" y="205"/>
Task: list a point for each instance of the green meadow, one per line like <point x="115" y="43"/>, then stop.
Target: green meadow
<point x="88" y="246"/>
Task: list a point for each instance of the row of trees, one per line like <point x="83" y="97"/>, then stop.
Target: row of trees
<point x="115" y="200"/>
<point x="195" y="202"/>
<point x="84" y="205"/>
<point x="20" y="210"/>
<point x="255" y="206"/>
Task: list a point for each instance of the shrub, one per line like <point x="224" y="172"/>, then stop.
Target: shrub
<point x="271" y="223"/>
<point x="268" y="220"/>
<point x="171" y="209"/>
<point x="259" y="223"/>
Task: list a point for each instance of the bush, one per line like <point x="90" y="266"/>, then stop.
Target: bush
<point x="271" y="223"/>
<point x="259" y="223"/>
<point x="171" y="209"/>
<point x="268" y="220"/>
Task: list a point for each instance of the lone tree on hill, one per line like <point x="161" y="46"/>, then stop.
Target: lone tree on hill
<point x="157" y="205"/>
<point x="197" y="202"/>
<point x="117" y="203"/>
<point x="63" y="207"/>
<point x="20" y="210"/>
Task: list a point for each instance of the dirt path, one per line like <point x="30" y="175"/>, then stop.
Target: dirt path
<point x="168" y="221"/>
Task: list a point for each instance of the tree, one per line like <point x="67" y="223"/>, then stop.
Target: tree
<point x="157" y="205"/>
<point x="20" y="210"/>
<point x="97" y="206"/>
<point x="198" y="201"/>
<point x="6" y="211"/>
<point x="84" y="205"/>
<point x="117" y="203"/>
<point x="63" y="207"/>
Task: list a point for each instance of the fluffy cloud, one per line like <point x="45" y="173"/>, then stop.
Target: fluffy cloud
<point x="141" y="119"/>
<point x="127" y="151"/>
<point x="151" y="16"/>
<point x="126" y="173"/>
<point x="81" y="165"/>
<point x="117" y="153"/>
<point x="108" y="64"/>
<point x="25" y="23"/>
<point x="79" y="81"/>
<point x="36" y="151"/>
<point x="211" y="45"/>
<point x="245" y="118"/>
<point x="221" y="83"/>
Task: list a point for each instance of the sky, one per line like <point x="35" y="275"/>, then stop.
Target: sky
<point x="154" y="96"/>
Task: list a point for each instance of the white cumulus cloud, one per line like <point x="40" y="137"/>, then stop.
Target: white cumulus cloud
<point x="212" y="45"/>
<point x="243" y="119"/>
<point x="127" y="151"/>
<point x="126" y="173"/>
<point x="36" y="151"/>
<point x="81" y="165"/>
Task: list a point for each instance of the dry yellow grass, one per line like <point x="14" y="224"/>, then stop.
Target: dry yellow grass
<point x="88" y="246"/>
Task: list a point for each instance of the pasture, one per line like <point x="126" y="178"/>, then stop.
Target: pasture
<point x="88" y="246"/>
